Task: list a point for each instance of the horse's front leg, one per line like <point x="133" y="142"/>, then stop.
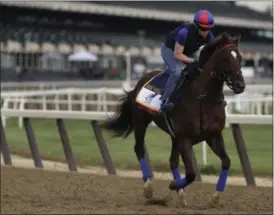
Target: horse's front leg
<point x="216" y="143"/>
<point x="185" y="149"/>
<point x="174" y="164"/>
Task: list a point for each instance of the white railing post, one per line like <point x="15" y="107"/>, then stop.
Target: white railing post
<point x="22" y="107"/>
<point x="5" y="106"/>
<point x="44" y="104"/>
<point x="104" y="101"/>
<point x="56" y="101"/>
<point x="83" y="102"/>
<point x="69" y="102"/>
<point x="204" y="153"/>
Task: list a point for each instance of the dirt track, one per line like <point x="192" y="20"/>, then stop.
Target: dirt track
<point x="40" y="191"/>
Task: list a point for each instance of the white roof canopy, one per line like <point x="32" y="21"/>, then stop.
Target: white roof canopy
<point x="83" y="56"/>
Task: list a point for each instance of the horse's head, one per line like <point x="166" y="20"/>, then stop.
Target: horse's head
<point x="224" y="60"/>
<point x="229" y="65"/>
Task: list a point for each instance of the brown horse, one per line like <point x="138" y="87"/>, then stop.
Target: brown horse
<point x="198" y="115"/>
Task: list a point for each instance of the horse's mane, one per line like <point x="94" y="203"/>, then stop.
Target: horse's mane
<point x="210" y="47"/>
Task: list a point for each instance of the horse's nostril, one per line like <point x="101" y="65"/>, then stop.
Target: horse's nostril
<point x="240" y="85"/>
<point x="240" y="72"/>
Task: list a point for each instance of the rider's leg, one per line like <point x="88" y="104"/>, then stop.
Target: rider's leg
<point x="174" y="68"/>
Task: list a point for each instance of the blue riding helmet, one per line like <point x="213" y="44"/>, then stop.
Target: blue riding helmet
<point x="204" y="20"/>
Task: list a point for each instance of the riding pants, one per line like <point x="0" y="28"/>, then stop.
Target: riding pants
<point x="174" y="67"/>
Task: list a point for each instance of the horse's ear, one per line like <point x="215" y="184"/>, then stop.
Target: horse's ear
<point x="238" y="39"/>
<point x="225" y="37"/>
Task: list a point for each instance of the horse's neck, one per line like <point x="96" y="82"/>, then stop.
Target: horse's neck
<point x="214" y="89"/>
<point x="197" y="87"/>
<point x="205" y="85"/>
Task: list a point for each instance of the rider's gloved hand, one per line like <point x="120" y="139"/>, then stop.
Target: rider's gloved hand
<point x="194" y="60"/>
<point x="193" y="66"/>
<point x="194" y="63"/>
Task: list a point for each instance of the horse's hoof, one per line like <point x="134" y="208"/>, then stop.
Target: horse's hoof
<point x="215" y="199"/>
<point x="173" y="185"/>
<point x="182" y="198"/>
<point x="148" y="191"/>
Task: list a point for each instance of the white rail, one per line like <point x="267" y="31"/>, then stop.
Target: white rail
<point x="245" y="105"/>
<point x="102" y="93"/>
<point x="100" y="101"/>
<point x="41" y="86"/>
<point x="257" y="89"/>
<point x="100" y="116"/>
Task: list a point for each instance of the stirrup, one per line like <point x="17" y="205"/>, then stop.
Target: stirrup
<point x="166" y="106"/>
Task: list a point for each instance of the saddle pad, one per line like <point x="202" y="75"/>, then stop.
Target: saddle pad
<point x="158" y="81"/>
<point x="149" y="100"/>
<point x="150" y="94"/>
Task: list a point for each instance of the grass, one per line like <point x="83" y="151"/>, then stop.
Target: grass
<point x="258" y="140"/>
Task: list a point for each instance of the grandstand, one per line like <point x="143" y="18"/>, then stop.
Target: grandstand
<point x="38" y="31"/>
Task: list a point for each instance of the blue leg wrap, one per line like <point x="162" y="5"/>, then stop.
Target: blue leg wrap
<point x="222" y="181"/>
<point x="176" y="174"/>
<point x="181" y="183"/>
<point x="145" y="169"/>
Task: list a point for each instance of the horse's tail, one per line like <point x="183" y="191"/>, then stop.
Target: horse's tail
<point x="122" y="123"/>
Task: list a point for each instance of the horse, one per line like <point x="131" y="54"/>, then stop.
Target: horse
<point x="198" y="114"/>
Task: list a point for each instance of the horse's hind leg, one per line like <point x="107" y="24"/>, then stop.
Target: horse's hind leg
<point x="217" y="145"/>
<point x="141" y="125"/>
<point x="174" y="160"/>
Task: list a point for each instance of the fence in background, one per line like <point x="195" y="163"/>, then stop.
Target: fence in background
<point x="106" y="99"/>
<point x="94" y="117"/>
<point x="40" y="86"/>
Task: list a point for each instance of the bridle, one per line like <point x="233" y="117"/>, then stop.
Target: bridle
<point x="213" y="73"/>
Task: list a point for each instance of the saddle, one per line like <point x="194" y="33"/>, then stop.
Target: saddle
<point x="157" y="83"/>
<point x="149" y="96"/>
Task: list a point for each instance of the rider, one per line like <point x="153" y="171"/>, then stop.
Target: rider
<point x="180" y="43"/>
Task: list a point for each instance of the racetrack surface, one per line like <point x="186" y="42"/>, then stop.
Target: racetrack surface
<point x="40" y="191"/>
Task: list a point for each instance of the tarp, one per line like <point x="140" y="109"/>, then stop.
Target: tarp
<point x="83" y="56"/>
